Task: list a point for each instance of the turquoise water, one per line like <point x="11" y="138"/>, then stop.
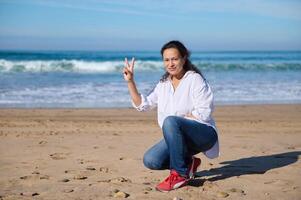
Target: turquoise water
<point x="94" y="79"/>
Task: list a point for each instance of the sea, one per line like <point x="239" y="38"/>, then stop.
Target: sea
<point x="93" y="79"/>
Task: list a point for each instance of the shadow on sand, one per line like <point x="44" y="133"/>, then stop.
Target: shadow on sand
<point x="245" y="166"/>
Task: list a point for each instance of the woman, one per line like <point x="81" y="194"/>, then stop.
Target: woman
<point x="185" y="103"/>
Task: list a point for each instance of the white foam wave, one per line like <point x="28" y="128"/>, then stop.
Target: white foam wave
<point x="82" y="66"/>
<point x="78" y="66"/>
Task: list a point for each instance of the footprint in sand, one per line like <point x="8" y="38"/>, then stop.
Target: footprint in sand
<point x="146" y="183"/>
<point x="209" y="186"/>
<point x="147" y="190"/>
<point x="104" y="169"/>
<point x="29" y="177"/>
<point x="90" y="168"/>
<point x="68" y="190"/>
<point x="69" y="171"/>
<point x="80" y="177"/>
<point x="43" y="142"/>
<point x="116" y="180"/>
<point x="35" y="177"/>
<point x="222" y="194"/>
<point x="58" y="156"/>
<point x="278" y="182"/>
<point x="237" y="191"/>
<point x="29" y="194"/>
<point x="64" y="180"/>
<point x="44" y="177"/>
<point x="80" y="161"/>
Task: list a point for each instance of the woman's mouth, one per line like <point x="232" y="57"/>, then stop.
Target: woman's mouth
<point x="171" y="69"/>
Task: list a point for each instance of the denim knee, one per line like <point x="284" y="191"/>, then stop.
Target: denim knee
<point x="169" y="125"/>
<point x="169" y="122"/>
<point x="151" y="163"/>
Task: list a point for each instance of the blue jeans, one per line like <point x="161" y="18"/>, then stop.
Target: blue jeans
<point x="183" y="138"/>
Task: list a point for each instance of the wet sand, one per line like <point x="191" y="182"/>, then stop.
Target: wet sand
<point x="97" y="154"/>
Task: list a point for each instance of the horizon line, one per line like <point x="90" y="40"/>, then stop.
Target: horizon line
<point x="103" y="50"/>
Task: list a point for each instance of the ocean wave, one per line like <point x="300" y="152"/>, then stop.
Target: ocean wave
<point x="81" y="66"/>
<point x="77" y="66"/>
<point x="248" y="66"/>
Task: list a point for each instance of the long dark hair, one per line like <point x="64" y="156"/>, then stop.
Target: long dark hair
<point x="184" y="52"/>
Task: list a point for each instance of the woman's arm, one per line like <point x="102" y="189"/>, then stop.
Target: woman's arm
<point x="128" y="74"/>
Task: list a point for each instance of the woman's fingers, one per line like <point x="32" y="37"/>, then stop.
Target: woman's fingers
<point x="128" y="65"/>
<point x="132" y="64"/>
<point x="128" y="69"/>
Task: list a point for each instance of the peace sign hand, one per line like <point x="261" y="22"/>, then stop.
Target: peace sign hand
<point x="128" y="70"/>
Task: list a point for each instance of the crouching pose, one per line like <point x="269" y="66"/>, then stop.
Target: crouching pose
<point x="184" y="102"/>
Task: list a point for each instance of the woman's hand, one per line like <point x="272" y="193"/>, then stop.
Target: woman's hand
<point x="189" y="115"/>
<point x="128" y="74"/>
<point x="128" y="70"/>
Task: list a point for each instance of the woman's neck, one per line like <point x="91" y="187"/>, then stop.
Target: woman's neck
<point x="178" y="76"/>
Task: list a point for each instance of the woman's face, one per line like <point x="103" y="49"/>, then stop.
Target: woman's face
<point x="173" y="61"/>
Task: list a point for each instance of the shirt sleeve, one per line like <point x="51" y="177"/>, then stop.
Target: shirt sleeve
<point x="149" y="102"/>
<point x="202" y="98"/>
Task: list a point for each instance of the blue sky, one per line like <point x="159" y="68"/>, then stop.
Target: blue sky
<point x="147" y="24"/>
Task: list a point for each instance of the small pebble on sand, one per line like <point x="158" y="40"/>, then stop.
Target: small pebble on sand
<point x="121" y="195"/>
<point x="148" y="189"/>
<point x="120" y="180"/>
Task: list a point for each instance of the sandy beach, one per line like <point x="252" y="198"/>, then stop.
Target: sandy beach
<point x="97" y="154"/>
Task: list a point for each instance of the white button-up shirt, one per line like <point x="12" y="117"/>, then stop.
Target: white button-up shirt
<point x="193" y="96"/>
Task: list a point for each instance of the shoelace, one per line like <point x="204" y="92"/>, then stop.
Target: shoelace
<point x="172" y="177"/>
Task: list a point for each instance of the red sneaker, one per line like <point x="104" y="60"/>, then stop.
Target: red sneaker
<point x="196" y="162"/>
<point x="173" y="181"/>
